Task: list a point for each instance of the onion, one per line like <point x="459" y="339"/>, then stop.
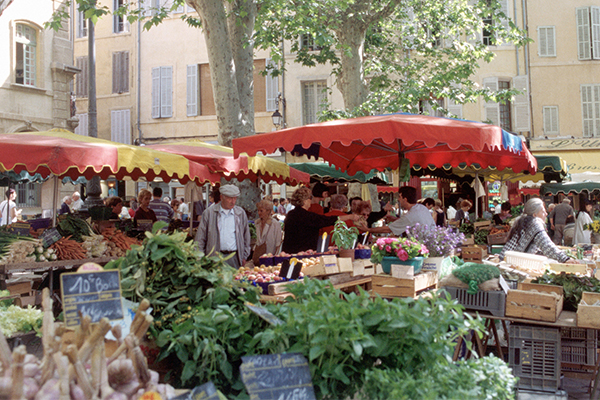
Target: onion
<point x="49" y="391"/>
<point x="120" y="372"/>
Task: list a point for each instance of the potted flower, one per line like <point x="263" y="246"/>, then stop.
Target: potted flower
<point x="440" y="242"/>
<point x="595" y="228"/>
<point x="407" y="251"/>
<point x="344" y="238"/>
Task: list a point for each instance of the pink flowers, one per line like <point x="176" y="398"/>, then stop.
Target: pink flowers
<point x="403" y="248"/>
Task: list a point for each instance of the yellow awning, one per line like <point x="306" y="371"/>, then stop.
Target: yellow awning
<point x="577" y="160"/>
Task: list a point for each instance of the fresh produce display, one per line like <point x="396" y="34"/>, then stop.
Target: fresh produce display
<point x="474" y="274"/>
<point x="78" y="369"/>
<point x="94" y="245"/>
<point x="42" y="254"/>
<point x="480" y="236"/>
<point x="202" y="325"/>
<point x="73" y="227"/>
<point x="16" y="249"/>
<point x="259" y="274"/>
<point x="573" y="286"/>
<point x="15" y="319"/>
<point x="118" y="243"/>
<point x="68" y="249"/>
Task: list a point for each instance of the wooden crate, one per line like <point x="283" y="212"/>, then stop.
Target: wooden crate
<point x="473" y="253"/>
<point x="569" y="268"/>
<point x="388" y="286"/>
<point x="20" y="287"/>
<point x="327" y="265"/>
<point x="588" y="314"/>
<point x="538" y="306"/>
<point x="482" y="225"/>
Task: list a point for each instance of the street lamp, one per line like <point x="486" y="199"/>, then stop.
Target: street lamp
<point x="278" y="119"/>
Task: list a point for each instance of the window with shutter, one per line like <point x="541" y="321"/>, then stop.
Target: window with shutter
<point x="162" y="92"/>
<point x="121" y="72"/>
<point x="192" y="90"/>
<point x="82" y="127"/>
<point x="272" y="89"/>
<point x="314" y="95"/>
<point x="595" y="22"/>
<point x="546" y="41"/>
<point x="522" y="116"/>
<point x="590" y="109"/>
<point x="550" y="115"/>
<point x="25" y="55"/>
<point x="120" y="126"/>
<point x="120" y="23"/>
<point x="491" y="108"/>
<point x="583" y="34"/>
<point x="81" y="81"/>
<point x="81" y="25"/>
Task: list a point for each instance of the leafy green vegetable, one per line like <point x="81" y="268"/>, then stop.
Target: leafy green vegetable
<point x="74" y="227"/>
<point x="474" y="274"/>
<point x="573" y="286"/>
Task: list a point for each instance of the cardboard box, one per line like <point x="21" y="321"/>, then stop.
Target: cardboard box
<point x="588" y="314"/>
<point x="388" y="286"/>
<point x="360" y="265"/>
<point x="538" y="306"/>
<point x="20" y="287"/>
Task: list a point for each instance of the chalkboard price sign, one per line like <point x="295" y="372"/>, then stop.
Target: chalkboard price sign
<point x="20" y="228"/>
<point x="277" y="377"/>
<point x="97" y="294"/>
<point x="203" y="392"/>
<point x="50" y="236"/>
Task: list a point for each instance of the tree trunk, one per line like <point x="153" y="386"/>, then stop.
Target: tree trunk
<point x="222" y="68"/>
<point x="351" y="79"/>
<point x="241" y="29"/>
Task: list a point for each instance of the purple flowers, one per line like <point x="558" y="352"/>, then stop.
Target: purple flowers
<point x="439" y="240"/>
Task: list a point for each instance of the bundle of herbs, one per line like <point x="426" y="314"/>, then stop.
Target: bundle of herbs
<point x="573" y="286"/>
<point x="199" y="311"/>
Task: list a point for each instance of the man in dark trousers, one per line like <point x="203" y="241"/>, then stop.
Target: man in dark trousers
<point x="558" y="219"/>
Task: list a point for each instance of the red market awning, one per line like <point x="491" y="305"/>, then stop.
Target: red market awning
<point x="380" y="142"/>
<point x="65" y="154"/>
<point x="219" y="160"/>
<point x="530" y="191"/>
<point x="387" y="189"/>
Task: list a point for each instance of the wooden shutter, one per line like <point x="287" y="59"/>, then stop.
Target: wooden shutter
<point x="81" y="84"/>
<point x="587" y="109"/>
<point x="550" y="114"/>
<point x="491" y="109"/>
<point x="583" y="34"/>
<point x="125" y="72"/>
<point x="192" y="90"/>
<point x="116" y="72"/>
<point x="272" y="89"/>
<point x="546" y="41"/>
<point x="120" y="126"/>
<point x="521" y="104"/>
<point x="156" y="92"/>
<point x="166" y="92"/>
<point x="82" y="127"/>
<point x="595" y="21"/>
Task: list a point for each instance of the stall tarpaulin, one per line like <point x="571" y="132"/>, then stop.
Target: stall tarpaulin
<point x="381" y="142"/>
<point x="568" y="187"/>
<point x="323" y="171"/>
<point x="65" y="154"/>
<point x="220" y="160"/>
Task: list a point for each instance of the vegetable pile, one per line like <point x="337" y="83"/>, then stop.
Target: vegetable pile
<point x="15" y="319"/>
<point x="203" y="328"/>
<point x="473" y="274"/>
<point x="78" y="369"/>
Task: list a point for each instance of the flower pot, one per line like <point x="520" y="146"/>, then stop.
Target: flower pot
<point x="386" y="263"/>
<point x="347" y="253"/>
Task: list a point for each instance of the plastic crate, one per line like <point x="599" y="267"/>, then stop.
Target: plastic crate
<point x="534" y="356"/>
<point x="579" y="346"/>
<point x="493" y="302"/>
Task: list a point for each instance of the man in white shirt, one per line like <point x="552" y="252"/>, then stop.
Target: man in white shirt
<point x="497" y="209"/>
<point x="77" y="203"/>
<point x="415" y="213"/>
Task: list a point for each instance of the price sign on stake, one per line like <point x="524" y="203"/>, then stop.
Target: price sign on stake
<point x="277" y="377"/>
<point x="290" y="269"/>
<point x="97" y="294"/>
<point x="50" y="236"/>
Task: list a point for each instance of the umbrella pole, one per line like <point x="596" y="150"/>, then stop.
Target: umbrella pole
<point x="476" y="197"/>
<point x="54" y="200"/>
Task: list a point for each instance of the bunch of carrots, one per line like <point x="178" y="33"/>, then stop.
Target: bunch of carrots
<point x="119" y="238"/>
<point x="68" y="249"/>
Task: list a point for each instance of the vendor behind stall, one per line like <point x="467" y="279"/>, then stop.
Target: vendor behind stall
<point x="301" y="226"/>
<point x="116" y="205"/>
<point x="528" y="234"/>
<point x="143" y="211"/>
